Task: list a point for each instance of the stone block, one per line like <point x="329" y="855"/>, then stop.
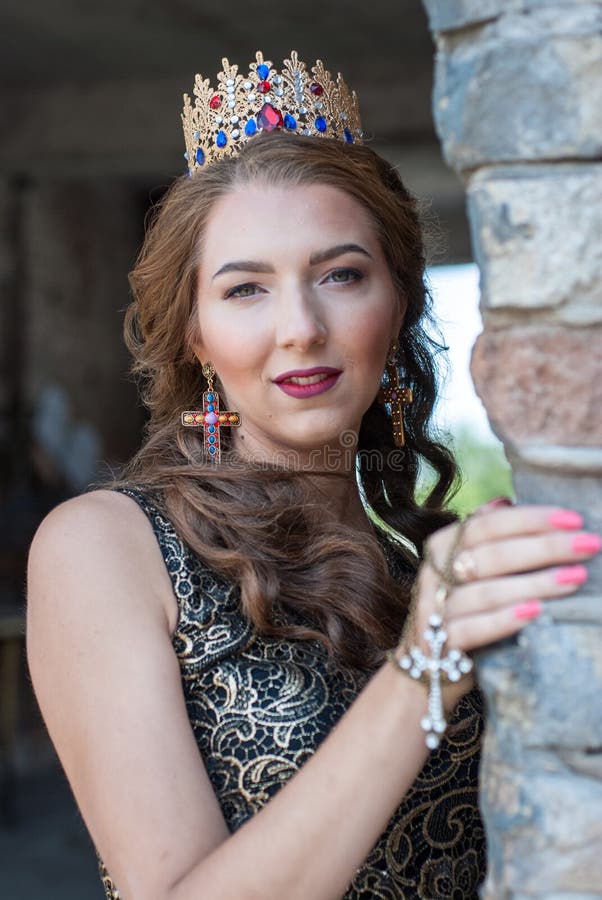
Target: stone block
<point x="523" y="87"/>
<point x="459" y="13"/>
<point x="454" y="14"/>
<point x="536" y="237"/>
<point x="541" y="383"/>
<point x="536" y="847"/>
<point x="536" y="762"/>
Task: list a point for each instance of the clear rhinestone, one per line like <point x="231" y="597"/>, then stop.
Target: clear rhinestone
<point x="454" y="655"/>
<point x="415" y="673"/>
<point x="236" y="133"/>
<point x="435" y="620"/>
<point x="247" y="85"/>
<point x="306" y="131"/>
<point x="454" y="675"/>
<point x="344" y="116"/>
<point x="440" y="727"/>
<point x="429" y="634"/>
<point x="230" y="90"/>
<point x="276" y="79"/>
<point x="187" y="155"/>
<point x="234" y="119"/>
<point x="219" y="120"/>
<point x="319" y="105"/>
<point x="231" y="104"/>
<point x="279" y="92"/>
<point x="229" y="82"/>
<point x="426" y="724"/>
<point x="432" y="741"/>
<point x="405" y="662"/>
<point x="251" y="98"/>
<point x="196" y="135"/>
<point x="303" y="110"/>
<point x="465" y="665"/>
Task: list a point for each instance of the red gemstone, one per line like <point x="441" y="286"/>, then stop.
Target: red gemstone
<point x="264" y="86"/>
<point x="269" y="118"/>
<point x="316" y="89"/>
<point x="215" y="102"/>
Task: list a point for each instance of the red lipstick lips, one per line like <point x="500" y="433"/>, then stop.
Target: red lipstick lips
<point x="305" y="373"/>
<point x="329" y="378"/>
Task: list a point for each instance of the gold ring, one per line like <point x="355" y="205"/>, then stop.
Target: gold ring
<point x="464" y="567"/>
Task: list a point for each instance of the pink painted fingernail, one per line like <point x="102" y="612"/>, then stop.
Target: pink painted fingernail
<point x="500" y="501"/>
<point x="571" y="575"/>
<point x="528" y="610"/>
<point x="587" y="543"/>
<point x="566" y="518"/>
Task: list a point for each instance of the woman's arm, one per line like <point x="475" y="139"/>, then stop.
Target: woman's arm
<point x="108" y="683"/>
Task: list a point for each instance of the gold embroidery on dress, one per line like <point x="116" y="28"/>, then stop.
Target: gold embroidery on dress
<point x="260" y="707"/>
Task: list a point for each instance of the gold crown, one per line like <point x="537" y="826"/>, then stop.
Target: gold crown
<point x="292" y="100"/>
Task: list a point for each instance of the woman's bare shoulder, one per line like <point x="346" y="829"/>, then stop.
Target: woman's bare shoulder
<point x="108" y="683"/>
<point x="105" y="534"/>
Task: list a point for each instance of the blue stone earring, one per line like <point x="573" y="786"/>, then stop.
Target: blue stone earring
<point x="211" y="419"/>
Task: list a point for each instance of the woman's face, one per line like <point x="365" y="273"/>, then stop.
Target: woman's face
<point x="294" y="279"/>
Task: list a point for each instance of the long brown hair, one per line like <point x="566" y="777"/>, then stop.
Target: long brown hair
<point x="261" y="527"/>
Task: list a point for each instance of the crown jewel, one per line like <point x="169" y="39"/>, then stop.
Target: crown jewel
<point x="292" y="100"/>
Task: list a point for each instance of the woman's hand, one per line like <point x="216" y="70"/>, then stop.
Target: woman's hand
<point x="518" y="558"/>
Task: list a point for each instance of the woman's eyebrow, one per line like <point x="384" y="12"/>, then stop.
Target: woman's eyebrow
<point x="340" y="249"/>
<point x="249" y="265"/>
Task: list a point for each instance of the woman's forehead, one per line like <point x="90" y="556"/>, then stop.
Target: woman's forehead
<point x="269" y="219"/>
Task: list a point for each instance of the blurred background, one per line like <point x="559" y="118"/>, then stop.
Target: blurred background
<point x="90" y="137"/>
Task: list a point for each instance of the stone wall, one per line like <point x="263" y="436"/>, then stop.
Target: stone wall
<point x="518" y="107"/>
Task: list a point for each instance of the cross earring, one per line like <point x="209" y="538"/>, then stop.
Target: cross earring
<point x="210" y="418"/>
<point x="396" y="394"/>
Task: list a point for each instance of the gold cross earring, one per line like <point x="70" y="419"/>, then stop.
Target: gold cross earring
<point x="211" y="418"/>
<point x="396" y="395"/>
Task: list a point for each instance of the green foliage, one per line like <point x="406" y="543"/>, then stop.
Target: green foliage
<point x="484" y="472"/>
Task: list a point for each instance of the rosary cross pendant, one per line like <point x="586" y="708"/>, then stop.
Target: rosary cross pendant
<point x="453" y="666"/>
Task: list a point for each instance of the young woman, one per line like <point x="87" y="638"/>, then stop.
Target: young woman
<point x="208" y="635"/>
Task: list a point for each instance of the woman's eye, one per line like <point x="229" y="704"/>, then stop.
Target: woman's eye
<point x="242" y="290"/>
<point x="344" y="276"/>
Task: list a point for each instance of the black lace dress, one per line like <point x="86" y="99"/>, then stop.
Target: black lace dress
<point x="260" y="707"/>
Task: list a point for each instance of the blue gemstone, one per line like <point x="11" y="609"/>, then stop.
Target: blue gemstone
<point x="250" y="127"/>
<point x="263" y="71"/>
<point x="212" y="449"/>
<point x="290" y="122"/>
<point x="320" y="123"/>
<point x="211" y="408"/>
<point x="212" y="439"/>
<point x="212" y="428"/>
<point x="221" y="140"/>
<point x="210" y="398"/>
<point x="348" y="136"/>
<point x="199" y="156"/>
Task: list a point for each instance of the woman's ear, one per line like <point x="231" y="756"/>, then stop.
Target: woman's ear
<point x="399" y="316"/>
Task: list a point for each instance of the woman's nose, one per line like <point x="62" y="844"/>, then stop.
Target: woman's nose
<point x="300" y="321"/>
